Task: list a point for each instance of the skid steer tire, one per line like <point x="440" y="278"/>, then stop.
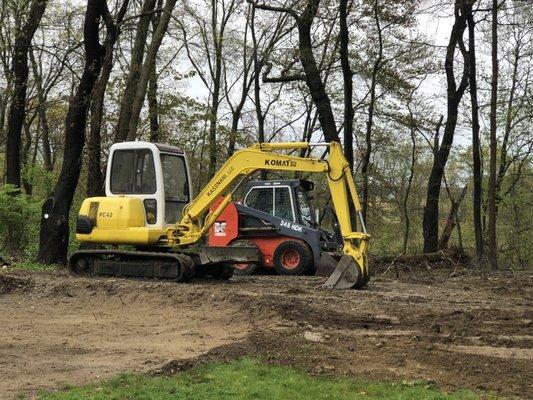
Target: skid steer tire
<point x="292" y="258"/>
<point x="245" y="268"/>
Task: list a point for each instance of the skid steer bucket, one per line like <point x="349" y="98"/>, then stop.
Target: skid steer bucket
<point x="346" y="273"/>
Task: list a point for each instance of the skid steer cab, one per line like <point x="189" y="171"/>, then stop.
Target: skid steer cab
<point x="147" y="186"/>
<point x="277" y="218"/>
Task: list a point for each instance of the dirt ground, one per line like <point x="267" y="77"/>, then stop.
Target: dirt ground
<point x="453" y="329"/>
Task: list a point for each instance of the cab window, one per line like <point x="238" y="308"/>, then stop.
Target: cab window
<point x="283" y="204"/>
<point x="176" y="186"/>
<point x="133" y="172"/>
<point x="272" y="200"/>
<point x="261" y="199"/>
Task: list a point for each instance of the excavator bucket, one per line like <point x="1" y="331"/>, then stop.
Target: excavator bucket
<point x="346" y="273"/>
<point x="327" y="264"/>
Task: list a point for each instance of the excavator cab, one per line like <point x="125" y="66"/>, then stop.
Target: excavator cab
<point x="155" y="173"/>
<point x="147" y="186"/>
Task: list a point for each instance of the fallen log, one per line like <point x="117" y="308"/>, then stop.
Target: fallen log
<point x="441" y="255"/>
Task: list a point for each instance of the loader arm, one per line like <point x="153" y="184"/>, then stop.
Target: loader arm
<point x="193" y="225"/>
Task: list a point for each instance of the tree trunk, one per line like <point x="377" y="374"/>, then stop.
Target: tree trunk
<point x="454" y="94"/>
<point x="510" y="113"/>
<point x="153" y="106"/>
<point x="215" y="101"/>
<point x="54" y="233"/>
<point x="492" y="250"/>
<point x="450" y="221"/>
<point x="476" y="148"/>
<point x="257" y="90"/>
<point x="94" y="165"/>
<point x="137" y="54"/>
<point x="408" y="191"/>
<point x="19" y="70"/>
<point x="236" y="113"/>
<point x="348" y="83"/>
<point x="370" y="122"/>
<point x="235" y="118"/>
<point x="43" y="119"/>
<point x="27" y="184"/>
<point x="94" y="151"/>
<point x="147" y="67"/>
<point x="312" y="74"/>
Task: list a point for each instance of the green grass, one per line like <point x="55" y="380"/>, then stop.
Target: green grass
<point x="249" y="379"/>
<point x="28" y="265"/>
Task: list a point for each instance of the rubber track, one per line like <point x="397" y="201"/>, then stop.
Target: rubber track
<point x="185" y="262"/>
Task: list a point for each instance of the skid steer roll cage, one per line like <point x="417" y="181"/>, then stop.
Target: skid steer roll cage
<point x="193" y="226"/>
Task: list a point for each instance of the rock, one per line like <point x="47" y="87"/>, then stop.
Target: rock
<point x="313" y="336"/>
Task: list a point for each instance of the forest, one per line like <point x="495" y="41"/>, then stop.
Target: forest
<point x="431" y="100"/>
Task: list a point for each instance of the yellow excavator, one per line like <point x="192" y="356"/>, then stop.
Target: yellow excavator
<point x="148" y="207"/>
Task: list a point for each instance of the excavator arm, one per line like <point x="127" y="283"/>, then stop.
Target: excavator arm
<point x="352" y="269"/>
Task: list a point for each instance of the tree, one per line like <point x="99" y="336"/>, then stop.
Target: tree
<point x="246" y="78"/>
<point x="515" y="29"/>
<point x="132" y="80"/>
<point x="476" y="147"/>
<point x="388" y="59"/>
<point x="347" y="75"/>
<point x="454" y="95"/>
<point x="43" y="119"/>
<point x="377" y="65"/>
<point x="54" y="232"/>
<point x="492" y="250"/>
<point x="153" y="106"/>
<point x="212" y="38"/>
<point x="148" y="66"/>
<point x="94" y="168"/>
<point x="317" y="88"/>
<point x="20" y="70"/>
<point x="153" y="103"/>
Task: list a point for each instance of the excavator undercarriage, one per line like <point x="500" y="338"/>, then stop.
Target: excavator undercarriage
<point x="182" y="267"/>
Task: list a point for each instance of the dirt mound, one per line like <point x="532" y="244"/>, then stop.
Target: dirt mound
<point x="456" y="331"/>
<point x="10" y="283"/>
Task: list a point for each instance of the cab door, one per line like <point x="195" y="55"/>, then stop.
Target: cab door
<point x="176" y="186"/>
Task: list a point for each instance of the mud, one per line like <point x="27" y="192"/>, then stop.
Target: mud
<point x="452" y="329"/>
